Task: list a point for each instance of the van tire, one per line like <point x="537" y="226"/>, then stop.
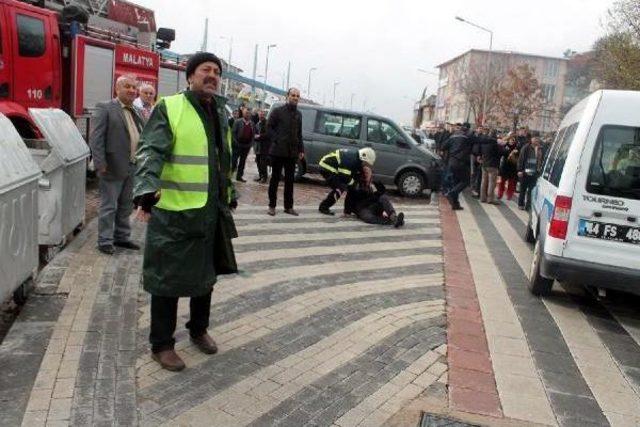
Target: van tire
<point x="411" y="183"/>
<point x="538" y="285"/>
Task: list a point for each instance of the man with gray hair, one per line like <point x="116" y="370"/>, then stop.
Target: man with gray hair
<point x="113" y="142"/>
<point x="145" y="101"/>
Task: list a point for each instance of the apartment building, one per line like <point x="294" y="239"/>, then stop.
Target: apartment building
<point x="452" y="103"/>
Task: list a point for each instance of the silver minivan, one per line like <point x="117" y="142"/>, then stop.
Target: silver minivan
<point x="400" y="160"/>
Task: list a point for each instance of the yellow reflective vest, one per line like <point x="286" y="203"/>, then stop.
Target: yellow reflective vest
<point x="184" y="181"/>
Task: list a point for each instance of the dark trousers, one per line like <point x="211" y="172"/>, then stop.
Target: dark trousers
<point x="289" y="165"/>
<point x="336" y="184"/>
<point x="261" y="162"/>
<point x="372" y="214"/>
<point x="476" y="177"/>
<point x="239" y="159"/>
<point x="459" y="181"/>
<point x="164" y="312"/>
<point x="527" y="182"/>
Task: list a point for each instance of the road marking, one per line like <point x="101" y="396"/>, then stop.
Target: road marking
<point x="331" y="236"/>
<point x="512" y="371"/>
<point x="611" y="390"/>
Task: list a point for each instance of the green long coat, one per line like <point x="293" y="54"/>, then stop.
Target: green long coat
<point x="185" y="250"/>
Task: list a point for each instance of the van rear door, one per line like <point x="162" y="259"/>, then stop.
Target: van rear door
<point x="605" y="217"/>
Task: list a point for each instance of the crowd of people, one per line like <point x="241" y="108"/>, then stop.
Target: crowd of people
<point x="492" y="163"/>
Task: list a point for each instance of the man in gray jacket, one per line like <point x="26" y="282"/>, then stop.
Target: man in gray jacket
<point x="114" y="140"/>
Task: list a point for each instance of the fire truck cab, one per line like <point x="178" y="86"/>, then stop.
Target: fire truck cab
<point x="48" y="59"/>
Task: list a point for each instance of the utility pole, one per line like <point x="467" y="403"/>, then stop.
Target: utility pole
<point x="333" y="103"/>
<point x="266" y="69"/>
<point x="203" y="47"/>
<point x="288" y="75"/>
<point x="309" y="82"/>
<point x="253" y="84"/>
<point x="351" y="103"/>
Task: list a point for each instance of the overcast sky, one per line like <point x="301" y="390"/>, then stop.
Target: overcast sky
<point x="374" y="48"/>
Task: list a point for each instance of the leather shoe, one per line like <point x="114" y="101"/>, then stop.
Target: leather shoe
<point x="169" y="360"/>
<point x="399" y="221"/>
<point x="126" y="245"/>
<point x="291" y="212"/>
<point x="107" y="249"/>
<point x="326" y="211"/>
<point x="205" y="344"/>
<point x="272" y="211"/>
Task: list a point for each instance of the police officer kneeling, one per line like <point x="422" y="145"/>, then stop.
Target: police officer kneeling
<point x="342" y="169"/>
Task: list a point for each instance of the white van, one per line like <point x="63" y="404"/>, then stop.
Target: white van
<point x="585" y="215"/>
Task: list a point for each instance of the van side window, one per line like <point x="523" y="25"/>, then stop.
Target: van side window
<point x="31" y="41"/>
<point x="561" y="155"/>
<point x="615" y="163"/>
<point x="341" y="125"/>
<point x="381" y="132"/>
<point x="553" y="152"/>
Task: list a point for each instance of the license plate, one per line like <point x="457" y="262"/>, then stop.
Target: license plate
<point x="615" y="232"/>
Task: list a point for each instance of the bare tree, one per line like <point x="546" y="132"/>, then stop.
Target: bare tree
<point x="474" y="85"/>
<point x="519" y="97"/>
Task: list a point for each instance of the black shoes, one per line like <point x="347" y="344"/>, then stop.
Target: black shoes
<point x="291" y="212"/>
<point x="127" y="245"/>
<point x="271" y="211"/>
<point x="399" y="220"/>
<point x="107" y="249"/>
<point x="326" y="211"/>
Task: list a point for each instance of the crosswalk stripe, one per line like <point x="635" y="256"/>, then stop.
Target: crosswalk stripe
<point x="347" y="235"/>
<point x="585" y="345"/>
<point x="353" y="340"/>
<point x="501" y="323"/>
<point x="252" y="256"/>
<point x="238" y="285"/>
<point x="522" y="215"/>
<point x="322" y="225"/>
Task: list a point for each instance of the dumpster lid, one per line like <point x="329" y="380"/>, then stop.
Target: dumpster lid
<point x="16" y="165"/>
<point x="61" y="133"/>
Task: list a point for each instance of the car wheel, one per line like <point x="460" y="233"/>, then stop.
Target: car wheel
<point x="411" y="184"/>
<point x="301" y="169"/>
<point x="538" y="285"/>
<point x="528" y="234"/>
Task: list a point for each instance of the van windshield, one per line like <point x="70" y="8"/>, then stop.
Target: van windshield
<point x="615" y="165"/>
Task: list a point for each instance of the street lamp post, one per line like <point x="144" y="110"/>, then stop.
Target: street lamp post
<point x="266" y="69"/>
<point x="486" y="84"/>
<point x="309" y="82"/>
<point x="351" y="104"/>
<point x="226" y="88"/>
<point x="333" y="103"/>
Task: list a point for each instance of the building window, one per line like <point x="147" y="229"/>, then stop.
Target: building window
<point x="551" y="69"/>
<point x="549" y="92"/>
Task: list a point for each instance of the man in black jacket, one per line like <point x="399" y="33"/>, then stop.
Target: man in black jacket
<point x="457" y="151"/>
<point x="261" y="147"/>
<point x="529" y="167"/>
<point x="285" y="135"/>
<point x="490" y="154"/>
<point x="371" y="204"/>
<point x="243" y="134"/>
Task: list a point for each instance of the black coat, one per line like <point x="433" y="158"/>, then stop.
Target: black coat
<point x="285" y="132"/>
<point x="491" y="152"/>
<point x="261" y="141"/>
<point x="457" y="151"/>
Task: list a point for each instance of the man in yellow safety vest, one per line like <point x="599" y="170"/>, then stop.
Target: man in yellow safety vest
<point x="183" y="190"/>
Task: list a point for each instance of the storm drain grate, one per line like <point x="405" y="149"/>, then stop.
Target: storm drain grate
<point x="432" y="420"/>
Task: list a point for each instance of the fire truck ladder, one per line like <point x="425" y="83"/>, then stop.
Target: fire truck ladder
<point x="94" y="7"/>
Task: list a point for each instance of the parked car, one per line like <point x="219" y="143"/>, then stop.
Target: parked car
<point x="400" y="161"/>
<point x="586" y="205"/>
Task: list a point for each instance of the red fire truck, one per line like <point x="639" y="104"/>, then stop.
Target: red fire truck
<point x="60" y="56"/>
